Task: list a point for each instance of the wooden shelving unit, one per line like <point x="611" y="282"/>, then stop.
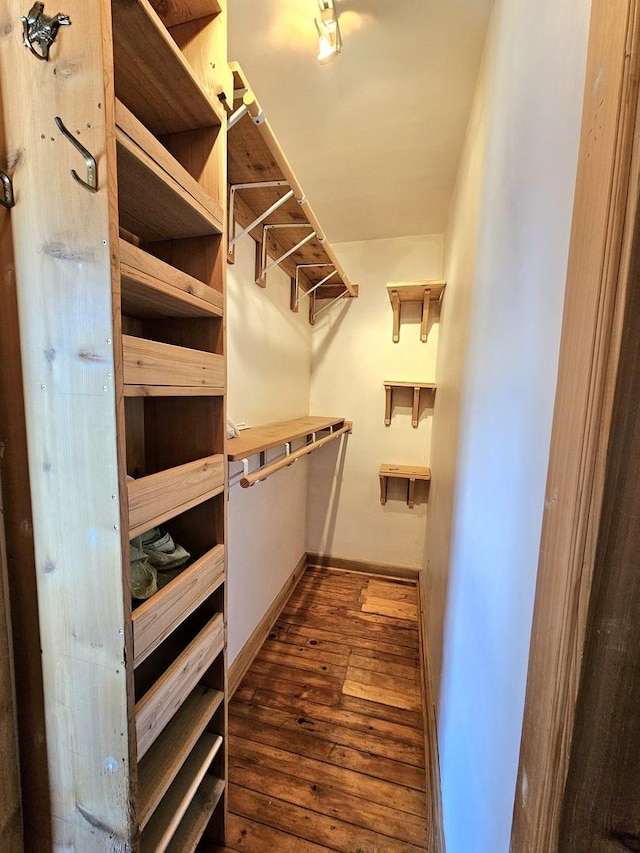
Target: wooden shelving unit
<point x="410" y="473"/>
<point x="281" y="434"/>
<point x="421" y="292"/>
<point x="134" y="434"/>
<point x="255" y="158"/>
<point x="417" y="387"/>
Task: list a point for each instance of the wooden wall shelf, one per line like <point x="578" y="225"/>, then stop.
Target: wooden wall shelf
<point x="411" y="473"/>
<point x="418" y="387"/>
<point x="422" y="292"/>
<point x="261" y="438"/>
<point x="254" y="155"/>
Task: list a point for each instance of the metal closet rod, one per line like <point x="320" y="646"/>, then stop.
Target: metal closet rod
<point x="263" y="473"/>
<point x="253" y="108"/>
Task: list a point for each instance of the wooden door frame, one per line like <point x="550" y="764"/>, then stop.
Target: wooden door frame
<point x="602" y="229"/>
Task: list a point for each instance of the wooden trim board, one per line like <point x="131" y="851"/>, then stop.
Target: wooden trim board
<point x="328" y="561"/>
<point x="247" y="653"/>
<point x="604" y="208"/>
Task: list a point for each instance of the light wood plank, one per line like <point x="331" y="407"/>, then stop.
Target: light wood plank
<point x="161" y="702"/>
<point x="414" y="291"/>
<point x="158" y="833"/>
<point x="161" y="614"/>
<point x="405" y="472"/>
<point x="164" y="759"/>
<point x="197" y="816"/>
<point x="152" y="76"/>
<point x="266" y="437"/>
<point x="152" y="363"/>
<point x="157" y="497"/>
<point x="401" y="609"/>
<point x="153" y="205"/>
<point x="153" y="288"/>
<point x="382" y="695"/>
<point x="163" y="166"/>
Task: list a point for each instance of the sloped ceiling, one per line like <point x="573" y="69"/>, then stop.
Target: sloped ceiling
<point x="375" y="136"/>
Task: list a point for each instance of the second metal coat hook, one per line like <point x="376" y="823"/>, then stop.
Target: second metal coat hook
<point x="91" y="183"/>
<point x="6" y="199"/>
<point x="41" y="30"/>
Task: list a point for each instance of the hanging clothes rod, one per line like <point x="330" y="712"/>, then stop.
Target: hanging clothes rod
<point x="253" y="107"/>
<point x="268" y="470"/>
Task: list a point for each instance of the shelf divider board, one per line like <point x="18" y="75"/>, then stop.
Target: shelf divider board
<point x="193" y="824"/>
<point x="169" y="752"/>
<point x="175" y="12"/>
<point x="157" y="497"/>
<point x="156" y="708"/>
<point x="266" y="437"/>
<point x="151" y="363"/>
<point x="411" y="473"/>
<point x="152" y="77"/>
<point x="161" y="614"/>
<point x="158" y="833"/>
<point x="153" y="289"/>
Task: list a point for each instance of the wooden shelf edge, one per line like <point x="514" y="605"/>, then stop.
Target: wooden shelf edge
<point x="164" y="759"/>
<point x="147" y="362"/>
<point x="390" y="383"/>
<point x="268" y="436"/>
<point x="413" y="291"/>
<point x="405" y="472"/>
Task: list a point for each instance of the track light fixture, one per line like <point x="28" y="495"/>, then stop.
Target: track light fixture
<point x="329" y="38"/>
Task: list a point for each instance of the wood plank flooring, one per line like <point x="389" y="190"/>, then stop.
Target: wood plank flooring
<point x="326" y="736"/>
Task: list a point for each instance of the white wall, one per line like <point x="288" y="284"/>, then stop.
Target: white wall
<point x="353" y="353"/>
<point x="505" y="261"/>
<point x="269" y="363"/>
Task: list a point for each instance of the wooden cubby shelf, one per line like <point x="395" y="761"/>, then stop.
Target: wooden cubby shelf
<point x="169" y="752"/>
<point x="152" y="363"/>
<point x="411" y="473"/>
<point x="418" y="387"/>
<point x="158" y="705"/>
<point x="158" y="198"/>
<point x="161" y="614"/>
<point x="157" y="497"/>
<point x="254" y="157"/>
<point x="422" y="292"/>
<point x="152" y="289"/>
<point x="158" y="833"/>
<point x="152" y="77"/>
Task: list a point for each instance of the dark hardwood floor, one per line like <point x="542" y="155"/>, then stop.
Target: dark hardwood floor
<point x="326" y="736"/>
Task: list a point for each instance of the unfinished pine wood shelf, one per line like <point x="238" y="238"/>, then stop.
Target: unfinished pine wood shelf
<point x="281" y="434"/>
<point x="410" y="473"/>
<point x="261" y="180"/>
<point x="152" y="76"/>
<point x="418" y="388"/>
<point x="421" y="292"/>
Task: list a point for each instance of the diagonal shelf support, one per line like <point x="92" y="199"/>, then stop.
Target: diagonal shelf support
<point x="329" y="304"/>
<point x="264" y="268"/>
<point x="252" y="185"/>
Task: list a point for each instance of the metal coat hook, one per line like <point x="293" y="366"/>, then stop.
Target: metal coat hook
<point x="91" y="183"/>
<point x="41" y="30"/>
<point x="7" y="199"/>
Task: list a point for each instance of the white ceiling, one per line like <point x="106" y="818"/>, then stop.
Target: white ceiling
<point x="375" y="136"/>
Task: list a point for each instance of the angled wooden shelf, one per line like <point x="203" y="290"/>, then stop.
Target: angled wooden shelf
<point x="161" y="614"/>
<point x="254" y="155"/>
<point x="193" y="824"/>
<point x="151" y="363"/>
<point x="157" y="835"/>
<point x="167" y="755"/>
<point x="411" y="473"/>
<point x="159" y="704"/>
<point x="418" y="387"/>
<point x="152" y="289"/>
<point x="158" y="199"/>
<point x="158" y="497"/>
<point x="152" y="76"/>
<point x="422" y="292"/>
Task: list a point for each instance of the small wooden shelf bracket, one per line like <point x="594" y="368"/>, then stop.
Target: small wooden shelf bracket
<point x="417" y="388"/>
<point x="410" y="473"/>
<point x="422" y="292"/>
<point x="253" y="185"/>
